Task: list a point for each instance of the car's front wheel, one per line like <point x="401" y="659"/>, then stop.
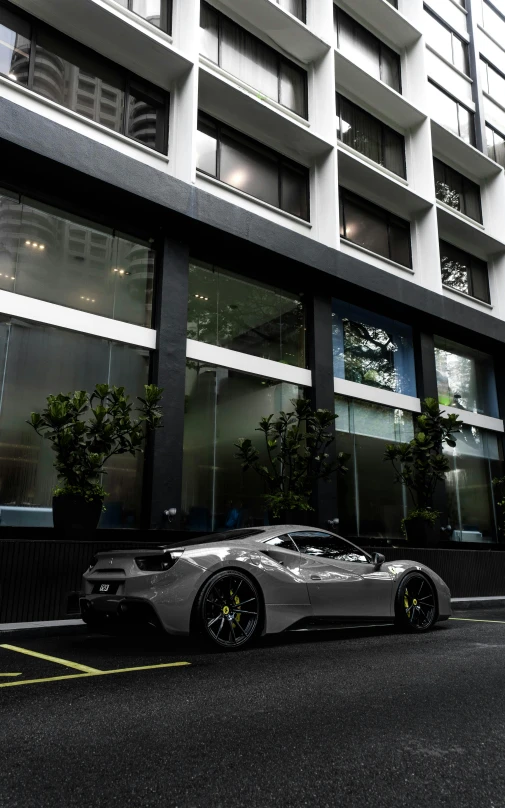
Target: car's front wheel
<point x="229" y="610"/>
<point x="416" y="604"/>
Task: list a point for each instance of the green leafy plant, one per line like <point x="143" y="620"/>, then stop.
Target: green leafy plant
<point x="86" y="430"/>
<point x="420" y="464"/>
<point x="499" y="486"/>
<point x="297" y="456"/>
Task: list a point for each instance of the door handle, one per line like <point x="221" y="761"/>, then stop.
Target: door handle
<point x="315" y="577"/>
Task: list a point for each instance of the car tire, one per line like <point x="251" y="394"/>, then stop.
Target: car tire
<point x="416" y="604"/>
<point x="220" y="619"/>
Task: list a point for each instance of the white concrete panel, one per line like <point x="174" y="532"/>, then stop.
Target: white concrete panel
<point x="446" y="75"/>
<point x="222" y="357"/>
<point x="475" y="419"/>
<point x="344" y="387"/>
<point x="463" y="232"/>
<point x="383" y="19"/>
<point x="462" y="156"/>
<point x="452" y="13"/>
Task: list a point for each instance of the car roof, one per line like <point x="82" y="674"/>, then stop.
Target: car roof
<point x="255" y="534"/>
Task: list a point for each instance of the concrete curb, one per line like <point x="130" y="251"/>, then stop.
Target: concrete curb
<point x="463" y="604"/>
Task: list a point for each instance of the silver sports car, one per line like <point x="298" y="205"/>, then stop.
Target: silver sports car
<point x="231" y="587"/>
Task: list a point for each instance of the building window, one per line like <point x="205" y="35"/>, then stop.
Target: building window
<point x="367" y="50"/>
<point x="493" y="82"/>
<point x="457" y="191"/>
<point x="295" y="7"/>
<point x="372" y="349"/>
<point x="223" y="405"/>
<point x="79" y="79"/>
<point x="464" y="272"/>
<point x="493" y="21"/>
<point x="37" y="361"/>
<point x="237" y="313"/>
<point x="495" y="145"/>
<point x="248" y="58"/>
<point x="465" y="378"/>
<point x="374" y="228"/>
<point x="445" y="42"/>
<point x="393" y="3"/>
<point x="369" y="502"/>
<point x="446" y="111"/>
<point x="157" y="12"/>
<point x="245" y="164"/>
<point x="49" y="256"/>
<point x="474" y="462"/>
<point x="370" y="137"/>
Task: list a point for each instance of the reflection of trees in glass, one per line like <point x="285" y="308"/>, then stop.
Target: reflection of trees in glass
<point x="455" y="379"/>
<point x="455" y="274"/>
<point x="445" y="194"/>
<point x="369" y="355"/>
<point x="233" y="313"/>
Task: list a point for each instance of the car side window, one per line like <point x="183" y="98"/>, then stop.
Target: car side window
<point x="285" y="542"/>
<point x="324" y="545"/>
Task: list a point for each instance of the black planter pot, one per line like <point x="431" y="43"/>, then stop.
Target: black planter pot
<point x="72" y="512"/>
<point x="422" y="533"/>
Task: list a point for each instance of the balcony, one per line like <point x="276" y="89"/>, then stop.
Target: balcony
<point x="471" y="161"/>
<point x="381" y="17"/>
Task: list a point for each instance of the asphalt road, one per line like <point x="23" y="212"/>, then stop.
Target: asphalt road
<point x="366" y="717"/>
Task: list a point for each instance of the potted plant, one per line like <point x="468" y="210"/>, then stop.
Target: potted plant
<point x="420" y="465"/>
<point x="85" y="431"/>
<point x="296" y="445"/>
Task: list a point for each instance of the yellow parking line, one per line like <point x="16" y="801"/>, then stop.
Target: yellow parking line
<point x="10" y="674"/>
<point x="76" y="665"/>
<point x="473" y="620"/>
<point x="92" y="674"/>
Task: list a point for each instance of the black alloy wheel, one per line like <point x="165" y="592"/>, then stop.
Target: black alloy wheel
<point x="229" y="610"/>
<point x="416" y="604"/>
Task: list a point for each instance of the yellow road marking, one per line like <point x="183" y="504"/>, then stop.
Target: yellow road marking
<point x="90" y="675"/>
<point x="76" y="665"/>
<point x="11" y="674"/>
<point x="473" y="620"/>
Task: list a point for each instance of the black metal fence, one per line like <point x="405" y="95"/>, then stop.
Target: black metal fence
<point x="37" y="576"/>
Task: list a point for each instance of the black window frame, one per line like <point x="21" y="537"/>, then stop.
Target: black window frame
<point x="473" y="263"/>
<point x="490" y="66"/>
<point x="165" y="16"/>
<point x="383" y="126"/>
<point x="338" y="12"/>
<point x="454" y="35"/>
<point x="467" y="184"/>
<point x="381" y="213"/>
<point x="279" y="57"/>
<point x="459" y="106"/>
<point x="233" y="134"/>
<point x="125" y="81"/>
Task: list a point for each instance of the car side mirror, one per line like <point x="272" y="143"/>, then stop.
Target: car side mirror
<point x="378" y="560"/>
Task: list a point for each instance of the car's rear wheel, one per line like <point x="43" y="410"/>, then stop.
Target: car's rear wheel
<point x="229" y="610"/>
<point x="416" y="603"/>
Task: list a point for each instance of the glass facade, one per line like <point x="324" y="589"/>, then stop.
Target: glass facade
<point x="65" y="72"/>
<point x="464" y="272"/>
<point x="69" y="262"/>
<point x="222" y="406"/>
<point x="374" y="228"/>
<point x="493" y="21"/>
<point x="446" y="42"/>
<point x="370" y="504"/>
<point x="295" y="7"/>
<point x="37" y="361"/>
<point x="251" y="60"/>
<point x="449" y="113"/>
<point x="367" y="50"/>
<point x="157" y="12"/>
<point x="457" y="191"/>
<point x="495" y="145"/>
<point x="370" y="137"/>
<point x="465" y="378"/>
<point x="372" y="349"/>
<point x="237" y="313"/>
<point x="247" y="165"/>
<point x="475" y="461"/>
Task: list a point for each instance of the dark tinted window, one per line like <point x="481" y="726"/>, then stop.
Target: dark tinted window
<point x="374" y="228"/>
<point x="245" y="164"/>
<point x="248" y="58"/>
<point x="324" y="545"/>
<point x="457" y="191"/>
<point x="285" y="542"/>
<point x="370" y="137"/>
<point x="367" y="50"/>
<point x="464" y="272"/>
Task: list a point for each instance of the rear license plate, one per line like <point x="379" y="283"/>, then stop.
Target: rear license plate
<point x="105" y="588"/>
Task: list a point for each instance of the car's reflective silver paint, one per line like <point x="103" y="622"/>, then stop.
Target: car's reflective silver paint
<point x="294" y="586"/>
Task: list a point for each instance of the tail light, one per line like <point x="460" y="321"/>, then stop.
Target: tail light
<point x="158" y="563"/>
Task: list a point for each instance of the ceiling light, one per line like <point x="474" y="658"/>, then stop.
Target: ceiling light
<point x="115" y="270"/>
<point x="13" y="278"/>
<point x="28" y="243"/>
<point x="82" y="297"/>
<point x="35" y="244"/>
<point x="93" y="300"/>
<point x="42" y="247"/>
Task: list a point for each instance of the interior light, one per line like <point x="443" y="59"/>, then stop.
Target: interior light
<point x="87" y="299"/>
<point x="35" y="244"/>
<point x="42" y="247"/>
<point x="115" y="270"/>
<point x="121" y="271"/>
<point x="28" y="243"/>
<point x="13" y="278"/>
<point x="1" y="275"/>
<point x="92" y="300"/>
<point x="197" y="295"/>
<point x="206" y="298"/>
<point x="82" y="297"/>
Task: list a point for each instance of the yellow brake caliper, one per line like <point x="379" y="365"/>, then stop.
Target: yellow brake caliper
<point x="406" y="600"/>
<point x="236" y="601"/>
